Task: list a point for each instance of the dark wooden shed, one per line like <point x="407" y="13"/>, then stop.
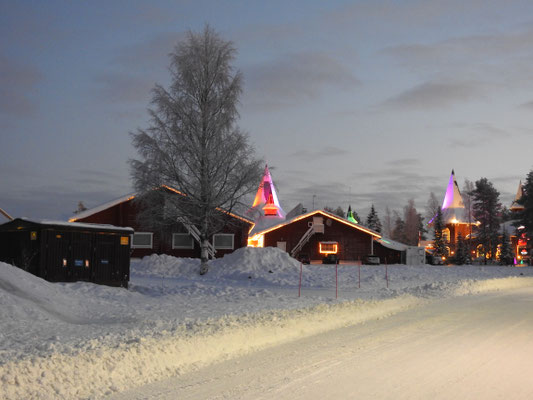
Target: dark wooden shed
<point x="68" y="252"/>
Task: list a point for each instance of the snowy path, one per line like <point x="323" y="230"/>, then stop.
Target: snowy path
<point x="468" y="347"/>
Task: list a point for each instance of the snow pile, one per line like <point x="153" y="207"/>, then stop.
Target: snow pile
<point x="267" y="265"/>
<point x="165" y="266"/>
<point x="71" y="340"/>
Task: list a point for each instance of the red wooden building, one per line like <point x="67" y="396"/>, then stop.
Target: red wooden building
<point x="317" y="234"/>
<point x="177" y="239"/>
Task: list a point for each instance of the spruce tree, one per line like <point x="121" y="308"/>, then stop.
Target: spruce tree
<point x="487" y="210"/>
<point x="526" y="216"/>
<point x="372" y="220"/>
<point x="506" y="253"/>
<point x="462" y="255"/>
<point x="438" y="244"/>
<point x="422" y="227"/>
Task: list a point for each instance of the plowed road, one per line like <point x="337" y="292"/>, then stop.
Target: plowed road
<point x="472" y="347"/>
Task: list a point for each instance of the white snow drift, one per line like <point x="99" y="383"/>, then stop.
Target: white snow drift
<point x="61" y="340"/>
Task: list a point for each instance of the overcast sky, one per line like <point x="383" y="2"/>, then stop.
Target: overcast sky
<point x="355" y="102"/>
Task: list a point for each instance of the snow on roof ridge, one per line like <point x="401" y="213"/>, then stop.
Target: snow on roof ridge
<point x="130" y="196"/>
<point x="73" y="223"/>
<point x="326" y="213"/>
<point x="102" y="207"/>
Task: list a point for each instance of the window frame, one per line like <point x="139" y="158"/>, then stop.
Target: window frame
<point x="174" y="247"/>
<point x="224" y="247"/>
<point x="143" y="246"/>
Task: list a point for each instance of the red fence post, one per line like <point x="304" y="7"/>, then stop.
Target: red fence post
<point x="300" y="284"/>
<point x="386" y="272"/>
<point x="336" y="281"/>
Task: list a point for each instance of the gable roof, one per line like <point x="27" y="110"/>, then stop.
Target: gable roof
<point x="325" y="214"/>
<point x="101" y="207"/>
<point x="131" y="196"/>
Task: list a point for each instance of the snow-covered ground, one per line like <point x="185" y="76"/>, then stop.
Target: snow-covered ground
<point x="79" y="340"/>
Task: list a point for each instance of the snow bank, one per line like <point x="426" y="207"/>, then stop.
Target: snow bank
<point x="71" y="340"/>
<point x="105" y="370"/>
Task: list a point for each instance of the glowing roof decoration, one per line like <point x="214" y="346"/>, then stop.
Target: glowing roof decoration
<point x="350" y="217"/>
<point x="453" y="198"/>
<point x="519" y="193"/>
<point x="453" y="207"/>
<point x="266" y="199"/>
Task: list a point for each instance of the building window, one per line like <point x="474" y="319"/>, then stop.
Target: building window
<point x="182" y="241"/>
<point x="223" y="241"/>
<point x="142" y="240"/>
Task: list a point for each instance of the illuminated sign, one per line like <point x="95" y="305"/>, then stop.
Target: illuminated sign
<point x="124" y="240"/>
<point x="328" y="247"/>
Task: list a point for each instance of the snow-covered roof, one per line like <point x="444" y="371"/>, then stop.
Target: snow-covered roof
<point x="325" y="214"/>
<point x="131" y="196"/>
<point x="102" y="207"/>
<point x="391" y="244"/>
<point x="75" y="224"/>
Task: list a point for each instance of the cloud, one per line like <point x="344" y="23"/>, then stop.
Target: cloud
<point x="146" y="55"/>
<point x="432" y="95"/>
<point x="17" y="83"/>
<point x="116" y="87"/>
<point x="135" y="69"/>
<point x="528" y="105"/>
<point x="327" y="151"/>
<point x="475" y="135"/>
<point x="404" y="162"/>
<point x="59" y="200"/>
<point x="296" y="77"/>
<point x="501" y="58"/>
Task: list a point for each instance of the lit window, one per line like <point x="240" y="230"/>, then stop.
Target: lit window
<point x="142" y="240"/>
<point x="223" y="241"/>
<point x="182" y="241"/>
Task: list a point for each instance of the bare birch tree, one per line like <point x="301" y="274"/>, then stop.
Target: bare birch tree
<point x="193" y="144"/>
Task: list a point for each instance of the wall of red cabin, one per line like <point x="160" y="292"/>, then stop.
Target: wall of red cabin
<point x="354" y="244"/>
<point x="125" y="214"/>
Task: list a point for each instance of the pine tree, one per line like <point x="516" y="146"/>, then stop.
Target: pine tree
<point x="412" y="223"/>
<point x="422" y="227"/>
<point x="438" y="244"/>
<point x="372" y="220"/>
<point x="340" y="212"/>
<point x="398" y="231"/>
<point x="337" y="211"/>
<point x="526" y="216"/>
<point x="350" y="216"/>
<point x="467" y="194"/>
<point x="462" y="255"/>
<point x="487" y="210"/>
<point x="506" y="253"/>
<point x="356" y="216"/>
